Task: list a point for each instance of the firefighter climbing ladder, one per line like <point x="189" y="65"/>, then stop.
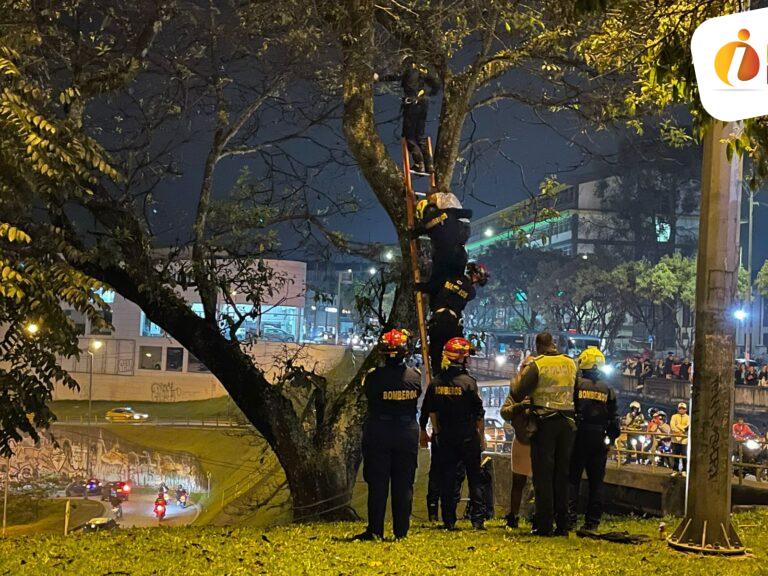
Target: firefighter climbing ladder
<point x="410" y="206"/>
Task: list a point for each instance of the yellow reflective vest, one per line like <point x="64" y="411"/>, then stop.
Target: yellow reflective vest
<point x="557" y="377"/>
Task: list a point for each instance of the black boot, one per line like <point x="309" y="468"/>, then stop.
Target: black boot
<point x="512" y="521"/>
<point x="366" y="537"/>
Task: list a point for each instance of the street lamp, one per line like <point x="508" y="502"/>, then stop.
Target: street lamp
<point x="93" y="346"/>
<point x="388" y="255"/>
<point x="372" y="271"/>
<point x="740" y="315"/>
<point x="32" y="328"/>
<point x="488" y="232"/>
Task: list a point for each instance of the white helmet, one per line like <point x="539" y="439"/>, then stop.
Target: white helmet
<point x="634" y="404"/>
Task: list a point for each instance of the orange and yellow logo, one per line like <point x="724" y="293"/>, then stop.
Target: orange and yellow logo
<point x="750" y="61"/>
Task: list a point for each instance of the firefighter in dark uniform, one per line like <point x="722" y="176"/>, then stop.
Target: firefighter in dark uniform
<point x="446" y="223"/>
<point x="447" y="302"/>
<point x="549" y="379"/>
<point x="418" y="85"/>
<point x="457" y="419"/>
<point x="596" y="418"/>
<point x="390" y="437"/>
<point x="433" y="486"/>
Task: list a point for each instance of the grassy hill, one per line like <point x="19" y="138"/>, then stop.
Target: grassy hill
<point x="321" y="549"/>
<point x="222" y="408"/>
<point x="48" y="516"/>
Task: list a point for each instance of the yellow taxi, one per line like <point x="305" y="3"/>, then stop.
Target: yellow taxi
<point x="125" y="414"/>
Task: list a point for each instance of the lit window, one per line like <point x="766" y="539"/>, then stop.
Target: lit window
<point x="150" y="357"/>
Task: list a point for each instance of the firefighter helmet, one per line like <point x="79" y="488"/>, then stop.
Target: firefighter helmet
<point x="591" y="358"/>
<point x="394" y="343"/>
<point x="478" y="270"/>
<point x="456" y="350"/>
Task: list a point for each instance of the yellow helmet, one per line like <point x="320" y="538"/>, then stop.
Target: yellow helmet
<point x="591" y="358"/>
<point x="421" y="205"/>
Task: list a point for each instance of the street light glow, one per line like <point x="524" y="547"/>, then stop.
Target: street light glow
<point x="372" y="271"/>
<point x="389" y="255"/>
<point x="488" y="232"/>
<point x="584" y="256"/>
<point x="740" y="315"/>
<point x="32" y="328"/>
<point x="96" y="344"/>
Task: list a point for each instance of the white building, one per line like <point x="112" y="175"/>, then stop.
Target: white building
<point x="139" y="361"/>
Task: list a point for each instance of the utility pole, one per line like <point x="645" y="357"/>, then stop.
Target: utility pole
<point x="5" y="492"/>
<point x="750" y="230"/>
<point x="707" y="526"/>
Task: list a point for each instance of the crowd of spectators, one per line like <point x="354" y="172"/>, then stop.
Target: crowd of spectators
<point x="750" y="375"/>
<point x="672" y="367"/>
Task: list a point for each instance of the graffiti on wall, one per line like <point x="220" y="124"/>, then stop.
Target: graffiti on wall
<point x="166" y="392"/>
<point x="111" y="459"/>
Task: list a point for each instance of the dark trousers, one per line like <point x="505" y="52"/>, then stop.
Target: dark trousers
<point x="435" y="478"/>
<point x="680" y="464"/>
<point x="447" y="261"/>
<point x="390" y="453"/>
<point x="589" y="453"/>
<point x="550" y="460"/>
<point x="442" y="327"/>
<point x="516" y="493"/>
<point x="460" y="446"/>
<point x="414" y="124"/>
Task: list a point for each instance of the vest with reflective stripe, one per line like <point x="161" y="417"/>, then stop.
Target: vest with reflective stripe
<point x="557" y="376"/>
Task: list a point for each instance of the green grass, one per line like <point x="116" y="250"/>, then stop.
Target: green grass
<point x="50" y="517"/>
<point x="222" y="408"/>
<point x="320" y="549"/>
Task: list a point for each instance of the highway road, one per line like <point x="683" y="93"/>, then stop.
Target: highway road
<point x="138" y="512"/>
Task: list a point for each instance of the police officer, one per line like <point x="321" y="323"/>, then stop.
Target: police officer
<point x="596" y="419"/>
<point x="457" y="419"/>
<point x="549" y="379"/>
<point x="442" y="218"/>
<point x="447" y="302"/>
<point x="417" y="85"/>
<point x="390" y="437"/>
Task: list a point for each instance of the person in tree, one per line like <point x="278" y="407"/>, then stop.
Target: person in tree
<point x="442" y="218"/>
<point x="447" y="302"/>
<point x="418" y="85"/>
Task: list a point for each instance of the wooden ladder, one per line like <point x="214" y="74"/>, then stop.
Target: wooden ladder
<point x="410" y="206"/>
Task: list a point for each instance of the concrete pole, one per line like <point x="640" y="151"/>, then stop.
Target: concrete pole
<point x="88" y="428"/>
<point x="5" y="493"/>
<point x="750" y="311"/>
<point x="707" y="524"/>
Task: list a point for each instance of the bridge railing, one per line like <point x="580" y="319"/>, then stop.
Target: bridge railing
<point x="749" y="457"/>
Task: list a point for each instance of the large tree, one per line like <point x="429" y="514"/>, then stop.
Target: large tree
<point x="151" y="79"/>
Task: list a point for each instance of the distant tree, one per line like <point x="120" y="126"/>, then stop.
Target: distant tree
<point x="643" y="203"/>
<point x="514" y="270"/>
<point x="580" y="296"/>
<point x="761" y="282"/>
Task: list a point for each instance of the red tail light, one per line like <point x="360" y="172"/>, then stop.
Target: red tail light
<point x="126" y="488"/>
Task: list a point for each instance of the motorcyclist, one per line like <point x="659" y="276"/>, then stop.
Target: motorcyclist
<point x="742" y="431"/>
<point x="633" y="421"/>
<point x="117" y="506"/>
<point x="161" y="505"/>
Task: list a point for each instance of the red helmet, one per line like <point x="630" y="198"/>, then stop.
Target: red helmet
<point x="457" y="350"/>
<point x="394" y="343"/>
<point x="479" y="270"/>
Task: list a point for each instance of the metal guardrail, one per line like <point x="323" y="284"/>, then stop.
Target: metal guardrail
<point x="621" y="455"/>
<point x="185" y="422"/>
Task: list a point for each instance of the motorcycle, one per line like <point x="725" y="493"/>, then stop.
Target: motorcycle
<point x="182" y="500"/>
<point x="117" y="511"/>
<point x="160" y="511"/>
<point x="641" y="445"/>
<point x="663" y="452"/>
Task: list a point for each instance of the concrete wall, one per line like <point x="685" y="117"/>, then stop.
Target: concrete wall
<point x="164" y="386"/>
